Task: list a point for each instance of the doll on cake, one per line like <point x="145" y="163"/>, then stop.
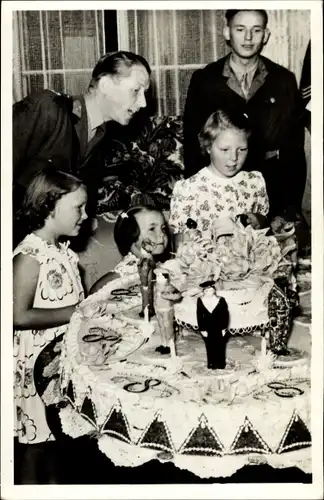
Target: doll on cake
<point x="212" y="318"/>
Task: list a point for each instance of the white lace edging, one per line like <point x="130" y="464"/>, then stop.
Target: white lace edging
<point x="73" y="424"/>
<point x="123" y="454"/>
<point x="180" y="416"/>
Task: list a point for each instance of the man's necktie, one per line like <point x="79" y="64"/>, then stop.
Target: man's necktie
<point x="245" y="85"/>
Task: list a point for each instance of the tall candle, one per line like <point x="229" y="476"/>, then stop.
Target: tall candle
<point x="172" y="349"/>
<point x="263" y="346"/>
<point x="146" y="314"/>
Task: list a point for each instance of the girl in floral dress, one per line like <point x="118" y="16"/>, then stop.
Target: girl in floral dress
<point x="221" y="190"/>
<point x="46" y="288"/>
<point x="214" y="198"/>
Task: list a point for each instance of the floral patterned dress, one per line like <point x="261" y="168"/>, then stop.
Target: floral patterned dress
<point x="59" y="285"/>
<point x="204" y="197"/>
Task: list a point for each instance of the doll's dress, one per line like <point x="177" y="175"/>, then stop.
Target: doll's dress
<point x="59" y="285"/>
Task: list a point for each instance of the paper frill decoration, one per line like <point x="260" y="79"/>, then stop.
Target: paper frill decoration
<point x="116" y="424"/>
<point x="202" y="440"/>
<point x="248" y="440"/>
<point x="157" y="435"/>
<point x="296" y="435"/>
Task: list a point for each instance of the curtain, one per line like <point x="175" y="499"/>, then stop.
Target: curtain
<point x="16" y="61"/>
<point x="58" y="49"/>
<point x="177" y="42"/>
<point x="290" y="34"/>
<point x="55" y="49"/>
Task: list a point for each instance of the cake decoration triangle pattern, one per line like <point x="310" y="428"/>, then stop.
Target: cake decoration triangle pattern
<point x="202" y="440"/>
<point x="157" y="435"/>
<point x="87" y="411"/>
<point x="248" y="440"/>
<point x="116" y="424"/>
<point x="70" y="393"/>
<point x="296" y="436"/>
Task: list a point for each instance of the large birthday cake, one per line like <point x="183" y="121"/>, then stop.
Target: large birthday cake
<point x="141" y="405"/>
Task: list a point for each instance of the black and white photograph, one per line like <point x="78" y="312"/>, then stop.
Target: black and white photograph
<point x="162" y="249"/>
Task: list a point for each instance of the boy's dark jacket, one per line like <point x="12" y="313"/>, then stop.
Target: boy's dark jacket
<point x="275" y="112"/>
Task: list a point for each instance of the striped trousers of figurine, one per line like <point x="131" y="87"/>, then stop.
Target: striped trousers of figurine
<point x="280" y="308"/>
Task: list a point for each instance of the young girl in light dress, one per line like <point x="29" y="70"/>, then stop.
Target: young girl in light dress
<point x="46" y="288"/>
<point x="141" y="234"/>
<point x="221" y="191"/>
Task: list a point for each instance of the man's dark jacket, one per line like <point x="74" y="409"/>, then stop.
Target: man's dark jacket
<point x="275" y="113"/>
<point x="52" y="129"/>
<point x="45" y="128"/>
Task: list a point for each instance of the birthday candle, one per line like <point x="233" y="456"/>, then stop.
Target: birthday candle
<point x="146" y="314"/>
<point x="172" y="349"/>
<point x="263" y="346"/>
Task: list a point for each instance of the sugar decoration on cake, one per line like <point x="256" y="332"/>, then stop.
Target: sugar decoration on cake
<point x="248" y="440"/>
<point x="116" y="424"/>
<point x="156" y="435"/>
<point x="202" y="440"/>
<point x="296" y="435"/>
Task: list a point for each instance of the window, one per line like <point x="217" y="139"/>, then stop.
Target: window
<point x="176" y="42"/>
<point x="58" y="49"/>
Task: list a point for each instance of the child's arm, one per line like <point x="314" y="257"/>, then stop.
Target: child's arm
<point x="262" y="204"/>
<point x="25" y="316"/>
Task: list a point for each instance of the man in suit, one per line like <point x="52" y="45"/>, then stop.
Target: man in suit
<point x="53" y="128"/>
<point x="248" y="83"/>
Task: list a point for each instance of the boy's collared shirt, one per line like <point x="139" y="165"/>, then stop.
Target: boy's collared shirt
<point x="255" y="76"/>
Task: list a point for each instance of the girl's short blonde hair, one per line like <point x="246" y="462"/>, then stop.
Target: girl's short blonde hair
<point x="220" y="121"/>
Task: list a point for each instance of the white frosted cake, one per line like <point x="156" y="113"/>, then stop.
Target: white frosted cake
<point x="140" y="403"/>
<point x="248" y="307"/>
